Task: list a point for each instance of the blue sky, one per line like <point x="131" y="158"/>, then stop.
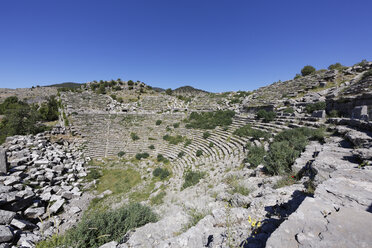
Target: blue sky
<point x="215" y="45"/>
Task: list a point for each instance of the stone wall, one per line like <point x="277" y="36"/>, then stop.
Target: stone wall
<point x="346" y="105"/>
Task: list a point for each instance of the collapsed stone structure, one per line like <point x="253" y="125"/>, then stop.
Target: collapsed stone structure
<point x="38" y="180"/>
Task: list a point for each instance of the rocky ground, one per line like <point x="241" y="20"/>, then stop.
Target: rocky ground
<point x="40" y="187"/>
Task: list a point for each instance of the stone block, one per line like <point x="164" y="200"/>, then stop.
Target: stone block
<point x="3" y="162"/>
<point x="5" y="234"/>
<point x="6" y="217"/>
<point x="360" y="112"/>
<point x="319" y="114"/>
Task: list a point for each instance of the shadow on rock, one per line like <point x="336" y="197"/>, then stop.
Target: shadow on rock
<point x="275" y="216"/>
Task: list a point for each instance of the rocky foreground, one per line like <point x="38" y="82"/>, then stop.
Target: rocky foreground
<point x="40" y="188"/>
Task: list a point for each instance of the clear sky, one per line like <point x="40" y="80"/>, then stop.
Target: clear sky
<point x="215" y="45"/>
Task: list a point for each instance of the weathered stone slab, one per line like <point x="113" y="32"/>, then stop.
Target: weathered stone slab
<point x="34" y="212"/>
<point x="6" y="217"/>
<point x="57" y="206"/>
<point x="319" y="114"/>
<point x="3" y="162"/>
<point x="23" y="224"/>
<point x="360" y="112"/>
<point x="5" y="234"/>
<point x="317" y="224"/>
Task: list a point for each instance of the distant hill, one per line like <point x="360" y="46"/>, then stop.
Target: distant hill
<point x="157" y="89"/>
<point x="189" y="90"/>
<point x="65" y="85"/>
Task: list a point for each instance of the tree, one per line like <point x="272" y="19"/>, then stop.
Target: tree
<point x="336" y="66"/>
<point x="49" y="110"/>
<point x="307" y="70"/>
<point x="169" y="91"/>
<point x="101" y="89"/>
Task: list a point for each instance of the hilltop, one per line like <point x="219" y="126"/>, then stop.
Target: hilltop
<point x="123" y="164"/>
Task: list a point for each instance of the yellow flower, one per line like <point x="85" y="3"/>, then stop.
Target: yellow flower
<point x="259" y="224"/>
<point x="254" y="223"/>
<point x="249" y="219"/>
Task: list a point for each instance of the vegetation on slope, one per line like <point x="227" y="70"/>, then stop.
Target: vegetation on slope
<point x="192" y="178"/>
<point x="21" y="118"/>
<point x="315" y="106"/>
<point x="287" y="147"/>
<point x="210" y="120"/>
<point x="174" y="140"/>
<point x="248" y="131"/>
<point x="266" y="116"/>
<point x="99" y="228"/>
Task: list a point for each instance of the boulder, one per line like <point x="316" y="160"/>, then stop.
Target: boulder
<point x="3" y="162"/>
<point x="5" y="234"/>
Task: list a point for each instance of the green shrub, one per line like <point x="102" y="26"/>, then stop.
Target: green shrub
<point x="288" y="110"/>
<point x="158" y="199"/>
<point x="130" y="83"/>
<point x="287" y="147"/>
<point x="21" y="118"/>
<point x="152" y="147"/>
<point x="187" y="142"/>
<point x="307" y="70"/>
<point x="236" y="187"/>
<point x="101" y="89"/>
<point x="199" y="153"/>
<point x="93" y="174"/>
<point x="158" y="122"/>
<point x="168" y="91"/>
<point x="280" y="158"/>
<point x="140" y="156"/>
<point x="297" y="76"/>
<point x="315" y="106"/>
<point x="206" y="135"/>
<point x="362" y="63"/>
<point x="134" y="136"/>
<point x="210" y="120"/>
<point x="176" y="125"/>
<point x="211" y="144"/>
<point x="367" y="74"/>
<point x="195" y="217"/>
<point x="336" y="66"/>
<point x="248" y="131"/>
<point x="334" y="114"/>
<point x="256" y="155"/>
<point x="181" y="154"/>
<point x="121" y="154"/>
<point x="192" y="178"/>
<point x="286" y="180"/>
<point x="267" y="116"/>
<point x="99" y="228"/>
<point x="174" y="140"/>
<point x="161" y="158"/>
<point x="49" y="111"/>
<point x="161" y="173"/>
